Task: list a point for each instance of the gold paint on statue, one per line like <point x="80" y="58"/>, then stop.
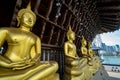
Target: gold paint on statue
<point x="21" y="60"/>
<point x="90" y="51"/>
<point x="69" y="44"/>
<point x="83" y="47"/>
<point x="85" y="51"/>
<point x="92" y="60"/>
<point x="95" y="61"/>
<point x="76" y="68"/>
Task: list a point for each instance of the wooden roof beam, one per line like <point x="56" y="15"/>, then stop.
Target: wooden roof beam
<point x="104" y="29"/>
<point x="112" y="20"/>
<point x="109" y="22"/>
<point x="111" y="25"/>
<point x="109" y="8"/>
<point x="109" y="14"/>
<point x="100" y="31"/>
<point x="109" y="18"/>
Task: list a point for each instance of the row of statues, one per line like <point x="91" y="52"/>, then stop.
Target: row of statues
<point x="79" y="68"/>
<point x="21" y="61"/>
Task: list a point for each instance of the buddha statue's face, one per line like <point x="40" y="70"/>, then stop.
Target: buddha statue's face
<point x="90" y="46"/>
<point x="27" y="20"/>
<point x="72" y="36"/>
<point x="84" y="43"/>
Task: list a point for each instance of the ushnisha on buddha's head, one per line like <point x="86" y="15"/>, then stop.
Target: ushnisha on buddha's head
<point x="26" y="17"/>
<point x="83" y="41"/>
<point x="70" y="34"/>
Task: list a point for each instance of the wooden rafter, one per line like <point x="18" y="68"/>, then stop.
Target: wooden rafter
<point x="105" y="29"/>
<point x="110" y="22"/>
<point x="109" y="8"/>
<point x="109" y="25"/>
<point x="110" y="19"/>
<point x="109" y="14"/>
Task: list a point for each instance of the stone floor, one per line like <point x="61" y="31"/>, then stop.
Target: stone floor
<point x="113" y="78"/>
<point x="113" y="72"/>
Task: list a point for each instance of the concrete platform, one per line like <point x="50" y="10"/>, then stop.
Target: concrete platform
<point x="113" y="72"/>
<point x="112" y="78"/>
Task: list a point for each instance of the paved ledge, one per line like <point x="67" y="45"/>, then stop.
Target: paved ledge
<point x="112" y="68"/>
<point x="113" y="71"/>
<point x="114" y="75"/>
<point x="112" y="78"/>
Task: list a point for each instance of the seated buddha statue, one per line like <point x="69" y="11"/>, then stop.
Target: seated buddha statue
<point x="96" y="64"/>
<point x="76" y="68"/>
<point x="90" y="51"/>
<point x="21" y="61"/>
<point x="85" y="51"/>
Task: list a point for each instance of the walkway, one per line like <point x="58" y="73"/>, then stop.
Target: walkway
<point x="113" y="72"/>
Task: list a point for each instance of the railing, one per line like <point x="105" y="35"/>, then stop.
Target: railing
<point x="54" y="55"/>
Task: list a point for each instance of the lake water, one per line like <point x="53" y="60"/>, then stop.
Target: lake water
<point x="114" y="60"/>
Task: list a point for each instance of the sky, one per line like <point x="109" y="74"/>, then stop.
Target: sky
<point x="111" y="38"/>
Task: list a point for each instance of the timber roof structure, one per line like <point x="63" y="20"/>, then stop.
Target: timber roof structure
<point x="86" y="17"/>
<point x="109" y="12"/>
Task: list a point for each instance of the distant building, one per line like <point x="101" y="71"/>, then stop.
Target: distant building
<point x="97" y="41"/>
<point x="105" y="49"/>
<point x="117" y="48"/>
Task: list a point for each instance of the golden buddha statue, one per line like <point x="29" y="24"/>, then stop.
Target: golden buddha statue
<point x="21" y="61"/>
<point x="76" y="68"/>
<point x="90" y="51"/>
<point x="83" y="47"/>
<point x="85" y="51"/>
<point x="95" y="61"/>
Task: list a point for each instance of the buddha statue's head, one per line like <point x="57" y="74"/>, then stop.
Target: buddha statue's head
<point x="70" y="34"/>
<point x="84" y="43"/>
<point x="89" y="45"/>
<point x="26" y="17"/>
